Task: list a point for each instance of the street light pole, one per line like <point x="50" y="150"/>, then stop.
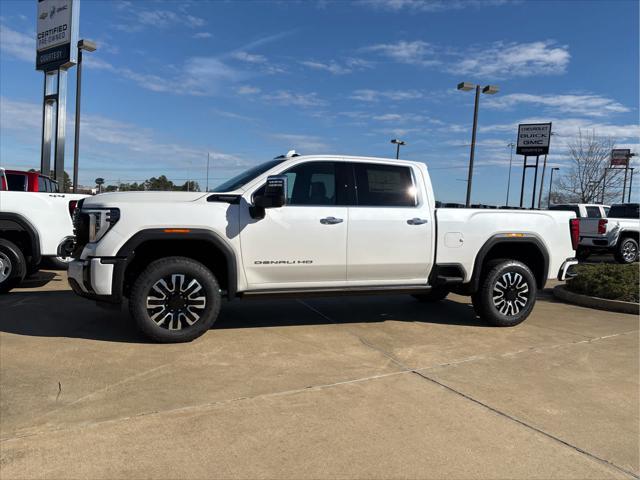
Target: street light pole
<point x="510" y="145"/>
<point x="489" y="89"/>
<point x="89" y="47"/>
<point x="207" y="171"/>
<point x="398" y="143"/>
<point x="550" y="185"/>
<point x="630" y="184"/>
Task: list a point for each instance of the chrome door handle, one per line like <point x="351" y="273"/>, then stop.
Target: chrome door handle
<point x="330" y="220"/>
<point x="417" y="221"/>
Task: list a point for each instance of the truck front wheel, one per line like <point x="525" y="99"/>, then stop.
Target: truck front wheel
<point x="175" y="299"/>
<point x="13" y="266"/>
<point x="507" y="293"/>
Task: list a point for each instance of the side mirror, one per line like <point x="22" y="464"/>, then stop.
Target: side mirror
<point x="275" y="193"/>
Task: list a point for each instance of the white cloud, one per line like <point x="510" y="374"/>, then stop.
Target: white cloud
<point x="284" y="97"/>
<point x="166" y="18"/>
<point x="17" y="45"/>
<point x="202" y="35"/>
<point x="247" y="90"/>
<point x="567" y="128"/>
<point x="349" y="65"/>
<point x="369" y="95"/>
<point x="249" y="57"/>
<point x="502" y="60"/>
<point x="106" y="141"/>
<point x="413" y="53"/>
<point x="433" y="5"/>
<point x="304" y="143"/>
<point x="591" y="105"/>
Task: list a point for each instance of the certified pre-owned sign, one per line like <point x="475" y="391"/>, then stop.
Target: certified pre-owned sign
<point x="56" y="33"/>
<point x="533" y="138"/>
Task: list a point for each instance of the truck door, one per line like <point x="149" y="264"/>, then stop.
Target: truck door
<point x="303" y="243"/>
<point x="390" y="228"/>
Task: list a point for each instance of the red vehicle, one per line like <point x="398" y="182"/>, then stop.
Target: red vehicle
<point x="20" y="181"/>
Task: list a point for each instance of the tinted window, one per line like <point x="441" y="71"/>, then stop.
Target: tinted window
<point x="16" y="183"/>
<point x="567" y="208"/>
<point x="593" y="212"/>
<point x="624" y="211"/>
<point x="312" y="183"/>
<point x="606" y="211"/>
<point x="53" y="185"/>
<point x="384" y="185"/>
<point x="42" y="184"/>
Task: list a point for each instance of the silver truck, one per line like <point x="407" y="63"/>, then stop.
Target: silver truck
<point x="617" y="234"/>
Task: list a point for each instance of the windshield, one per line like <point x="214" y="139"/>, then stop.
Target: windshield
<point x="246" y="176"/>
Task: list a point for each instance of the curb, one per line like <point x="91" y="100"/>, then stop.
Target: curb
<point x="561" y="292"/>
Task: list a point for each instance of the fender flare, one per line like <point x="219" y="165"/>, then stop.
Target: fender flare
<point x="498" y="239"/>
<point x="9" y="221"/>
<point x="128" y="249"/>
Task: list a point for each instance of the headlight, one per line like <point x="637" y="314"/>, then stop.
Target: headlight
<point x="100" y="221"/>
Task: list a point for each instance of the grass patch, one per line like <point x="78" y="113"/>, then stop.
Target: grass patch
<point x="611" y="281"/>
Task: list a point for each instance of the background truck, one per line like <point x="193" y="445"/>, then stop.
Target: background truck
<point x="32" y="225"/>
<point x="304" y="225"/>
<point x="584" y="210"/>
<point x="617" y="234"/>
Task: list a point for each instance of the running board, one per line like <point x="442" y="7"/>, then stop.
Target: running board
<point x="331" y="291"/>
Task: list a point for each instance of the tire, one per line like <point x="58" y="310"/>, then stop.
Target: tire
<point x="165" y="305"/>
<point x="511" y="280"/>
<point x="434" y="295"/>
<point x="58" y="263"/>
<point x="627" y="250"/>
<point x="13" y="266"/>
<point x="582" y="253"/>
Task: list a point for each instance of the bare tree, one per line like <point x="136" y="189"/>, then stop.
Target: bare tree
<point x="588" y="175"/>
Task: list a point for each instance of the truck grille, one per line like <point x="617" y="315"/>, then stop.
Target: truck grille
<point x="80" y="230"/>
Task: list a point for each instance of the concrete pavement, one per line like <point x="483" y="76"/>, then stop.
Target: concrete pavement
<point x="349" y="387"/>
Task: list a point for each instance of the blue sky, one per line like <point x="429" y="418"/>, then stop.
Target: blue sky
<point x="247" y="81"/>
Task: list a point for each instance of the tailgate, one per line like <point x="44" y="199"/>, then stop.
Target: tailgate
<point x="589" y="227"/>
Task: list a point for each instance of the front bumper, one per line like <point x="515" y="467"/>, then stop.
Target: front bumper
<point x="567" y="269"/>
<point x="95" y="278"/>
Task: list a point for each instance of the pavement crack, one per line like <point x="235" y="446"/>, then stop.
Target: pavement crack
<point x="526" y="425"/>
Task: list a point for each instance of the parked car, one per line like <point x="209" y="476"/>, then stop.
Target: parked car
<point x="281" y="229"/>
<point x="584" y="210"/>
<point x="21" y="181"/>
<point x="617" y="234"/>
<point x="32" y="224"/>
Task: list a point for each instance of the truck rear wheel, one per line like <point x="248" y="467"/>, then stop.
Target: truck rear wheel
<point x="627" y="250"/>
<point x="507" y="293"/>
<point x="13" y="266"/>
<point x="175" y="299"/>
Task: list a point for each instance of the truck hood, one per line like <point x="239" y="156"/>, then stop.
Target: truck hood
<point x="115" y="198"/>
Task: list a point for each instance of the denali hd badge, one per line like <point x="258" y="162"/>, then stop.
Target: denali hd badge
<point x="283" y="262"/>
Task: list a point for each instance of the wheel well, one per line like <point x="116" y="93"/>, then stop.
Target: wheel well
<point x="525" y="252"/>
<point x="202" y="251"/>
<point x="629" y="234"/>
<point x="16" y="234"/>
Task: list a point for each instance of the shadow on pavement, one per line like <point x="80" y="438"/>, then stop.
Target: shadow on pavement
<point x="63" y="314"/>
<point x="39" y="279"/>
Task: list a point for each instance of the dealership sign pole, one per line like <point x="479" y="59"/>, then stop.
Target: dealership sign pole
<point x="533" y="139"/>
<point x="57" y="31"/>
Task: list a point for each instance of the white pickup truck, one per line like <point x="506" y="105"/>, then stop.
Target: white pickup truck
<point x="32" y="225"/>
<point x="304" y="225"/>
<point x="617" y="234"/>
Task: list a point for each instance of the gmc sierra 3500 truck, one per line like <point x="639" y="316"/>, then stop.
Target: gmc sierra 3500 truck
<point x="303" y="225"/>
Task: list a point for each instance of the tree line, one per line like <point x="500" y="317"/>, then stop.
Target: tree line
<point x="161" y="183"/>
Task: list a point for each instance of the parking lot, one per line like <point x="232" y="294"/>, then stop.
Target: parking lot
<point x="345" y="387"/>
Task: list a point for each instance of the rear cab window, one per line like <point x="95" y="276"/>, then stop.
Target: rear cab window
<point x="16" y="182"/>
<point x="381" y="185"/>
<point x="593" y="212"/>
<point x="624" y="211"/>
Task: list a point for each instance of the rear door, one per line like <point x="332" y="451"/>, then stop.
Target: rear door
<point x="390" y="228"/>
